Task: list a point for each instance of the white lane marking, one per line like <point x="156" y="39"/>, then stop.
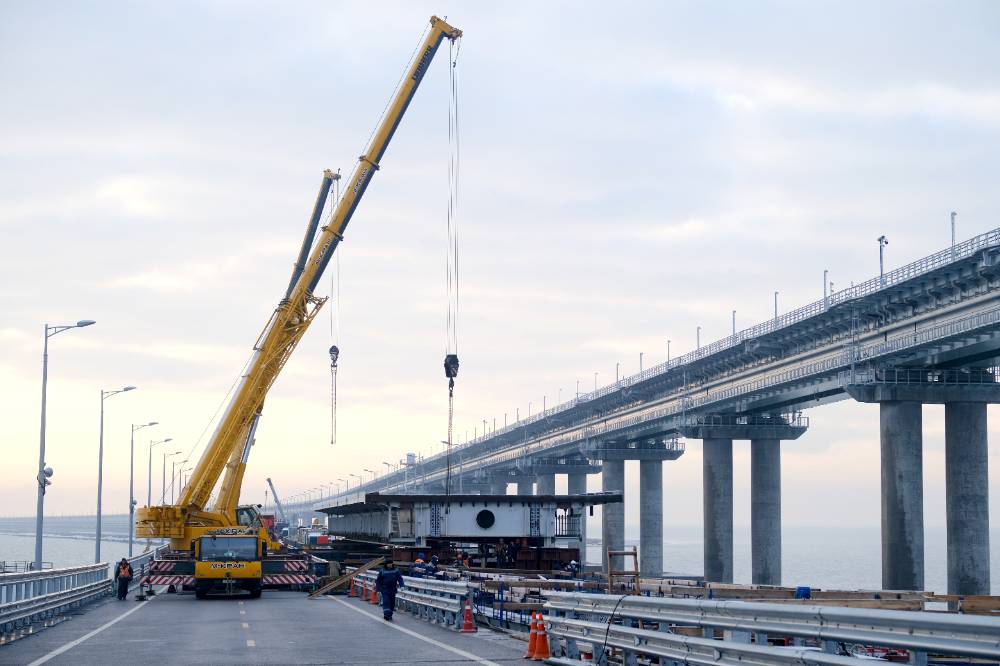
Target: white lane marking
<point x="443" y="646"/>
<point x="73" y="644"/>
<point x="243" y="612"/>
<point x="246" y="625"/>
<point x="241" y="603"/>
<point x="251" y="643"/>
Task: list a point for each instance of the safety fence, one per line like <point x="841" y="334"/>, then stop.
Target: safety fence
<point x="684" y="630"/>
<point x="437" y="601"/>
<point x="38" y="596"/>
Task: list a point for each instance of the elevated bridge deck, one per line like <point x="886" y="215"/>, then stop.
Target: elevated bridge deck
<point x="278" y="628"/>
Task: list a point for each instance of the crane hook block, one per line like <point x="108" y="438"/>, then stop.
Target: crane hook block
<point x="451" y="366"/>
<point x="334" y="355"/>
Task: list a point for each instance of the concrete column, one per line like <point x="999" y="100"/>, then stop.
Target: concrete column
<point x="717" y="498"/>
<point x="498" y="488"/>
<point x="967" y="497"/>
<point x="900" y="425"/>
<point x="576" y="484"/>
<point x="546" y="484"/>
<point x="524" y="487"/>
<point x="613" y="528"/>
<point x="651" y="518"/>
<point x="765" y="511"/>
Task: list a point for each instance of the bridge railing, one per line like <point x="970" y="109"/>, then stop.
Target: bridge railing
<point x="608" y="620"/>
<point x="35" y="596"/>
<point x="437" y="601"/>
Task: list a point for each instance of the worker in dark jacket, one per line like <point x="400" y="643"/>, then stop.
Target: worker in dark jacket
<point x="388" y="581"/>
<point x="123" y="576"/>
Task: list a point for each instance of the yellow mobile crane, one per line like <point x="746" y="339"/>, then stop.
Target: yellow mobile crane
<point x="191" y="522"/>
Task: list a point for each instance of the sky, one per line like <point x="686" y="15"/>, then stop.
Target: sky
<point x="628" y="174"/>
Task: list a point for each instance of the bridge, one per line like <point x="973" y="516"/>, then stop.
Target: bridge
<point x="928" y="332"/>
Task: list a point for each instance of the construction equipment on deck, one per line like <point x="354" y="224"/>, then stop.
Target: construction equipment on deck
<point x="225" y="457"/>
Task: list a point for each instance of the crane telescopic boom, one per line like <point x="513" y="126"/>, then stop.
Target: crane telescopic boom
<point x="227" y="451"/>
<point x="277" y="502"/>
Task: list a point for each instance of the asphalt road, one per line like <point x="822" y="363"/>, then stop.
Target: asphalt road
<point x="278" y="628"/>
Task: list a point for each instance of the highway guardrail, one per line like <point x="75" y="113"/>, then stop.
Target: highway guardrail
<point x="833" y="628"/>
<point x="437" y="601"/>
<point x="37" y="596"/>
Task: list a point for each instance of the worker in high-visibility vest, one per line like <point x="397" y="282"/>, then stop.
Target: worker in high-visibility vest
<point x="123" y="576"/>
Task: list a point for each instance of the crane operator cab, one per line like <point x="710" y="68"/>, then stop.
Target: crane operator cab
<point x="228" y="564"/>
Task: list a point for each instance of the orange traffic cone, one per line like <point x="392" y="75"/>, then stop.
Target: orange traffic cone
<point x="542" y="646"/>
<point x="532" y="638"/>
<point x="364" y="592"/>
<point x="374" y="597"/>
<point x="468" y="624"/>
<point x="353" y="588"/>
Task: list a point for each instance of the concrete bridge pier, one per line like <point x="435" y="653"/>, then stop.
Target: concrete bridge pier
<point x="901" y="394"/>
<point x="525" y="486"/>
<point x="967" y="497"/>
<point x="900" y="430"/>
<point x="717" y="501"/>
<point x="651" y="518"/>
<point x="545" y="484"/>
<point x="613" y="528"/>
<point x="765" y="511"/>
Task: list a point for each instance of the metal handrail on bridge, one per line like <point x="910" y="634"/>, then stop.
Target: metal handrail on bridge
<point x="585" y="617"/>
<point x="437" y="601"/>
<point x="33" y="596"/>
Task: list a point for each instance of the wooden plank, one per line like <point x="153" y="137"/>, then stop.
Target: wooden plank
<point x="346" y="577"/>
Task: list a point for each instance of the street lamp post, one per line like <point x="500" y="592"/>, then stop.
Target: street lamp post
<point x="734" y="322"/>
<point x="44" y="473"/>
<point x="100" y="471"/>
<point x="697" y="338"/>
<point x="618" y="365"/>
<point x="131" y="481"/>
<point x="173" y="475"/>
<point x="149" y="465"/>
<point x="163" y="476"/>
<point x="882" y="242"/>
<point x="953" y="216"/>
<point x="668" y="351"/>
<point x="776" y="306"/>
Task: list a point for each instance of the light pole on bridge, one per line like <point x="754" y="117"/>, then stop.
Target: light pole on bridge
<point x="100" y="470"/>
<point x="149" y="466"/>
<point x="697" y="338"/>
<point x="882" y="242"/>
<point x="45" y="472"/>
<point x="775" y="306"/>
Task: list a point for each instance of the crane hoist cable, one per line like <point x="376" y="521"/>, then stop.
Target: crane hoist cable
<point x="334" y="323"/>
<point x="451" y="316"/>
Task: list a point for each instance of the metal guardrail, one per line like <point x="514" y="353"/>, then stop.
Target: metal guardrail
<point x="921" y="632"/>
<point x="33" y="596"/>
<point x="565" y="635"/>
<point x="437" y="601"/>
